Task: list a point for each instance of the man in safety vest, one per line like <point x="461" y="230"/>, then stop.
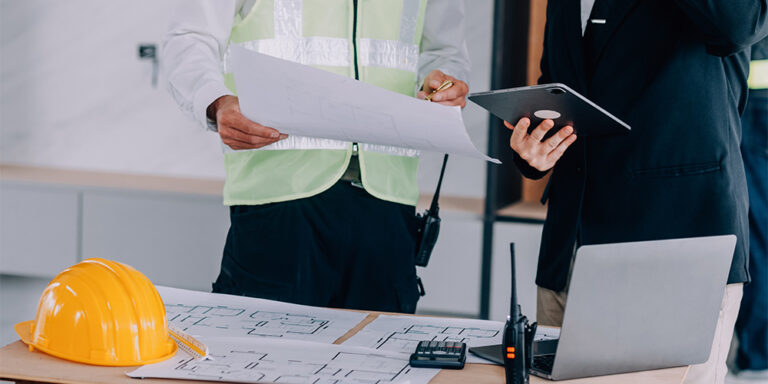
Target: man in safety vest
<point x="315" y="221"/>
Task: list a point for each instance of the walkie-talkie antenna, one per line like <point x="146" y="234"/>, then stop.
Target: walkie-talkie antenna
<point x="434" y="208"/>
<point x="514" y="309"/>
<point x="515" y="352"/>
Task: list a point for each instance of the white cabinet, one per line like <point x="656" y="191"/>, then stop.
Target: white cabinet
<point x="38" y="230"/>
<point x="175" y="240"/>
<point x="452" y="279"/>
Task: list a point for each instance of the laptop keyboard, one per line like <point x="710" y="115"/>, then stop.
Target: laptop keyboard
<point x="543" y="363"/>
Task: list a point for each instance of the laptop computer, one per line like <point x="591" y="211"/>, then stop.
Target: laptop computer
<point x="637" y="306"/>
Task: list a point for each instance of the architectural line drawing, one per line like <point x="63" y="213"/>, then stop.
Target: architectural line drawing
<point x="206" y="315"/>
<point x="401" y="334"/>
<point x="287" y="361"/>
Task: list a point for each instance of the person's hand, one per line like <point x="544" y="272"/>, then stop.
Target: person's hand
<point x="236" y="130"/>
<point x="541" y="155"/>
<point x="455" y="95"/>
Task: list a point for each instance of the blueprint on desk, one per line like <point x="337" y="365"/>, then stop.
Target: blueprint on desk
<point x="205" y="315"/>
<point x="401" y="334"/>
<point x="261" y="360"/>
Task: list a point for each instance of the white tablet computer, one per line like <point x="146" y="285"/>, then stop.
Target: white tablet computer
<point x="551" y="101"/>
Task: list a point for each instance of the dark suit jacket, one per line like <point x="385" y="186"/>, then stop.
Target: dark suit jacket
<point x="760" y="50"/>
<point x="675" y="71"/>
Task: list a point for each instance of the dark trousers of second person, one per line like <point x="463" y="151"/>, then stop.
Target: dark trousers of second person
<point x="341" y="248"/>
<point x="752" y="324"/>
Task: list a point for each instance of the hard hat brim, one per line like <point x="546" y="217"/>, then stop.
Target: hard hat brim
<point x="24" y="330"/>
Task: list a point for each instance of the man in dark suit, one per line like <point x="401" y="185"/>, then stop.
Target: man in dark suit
<point x="676" y="71"/>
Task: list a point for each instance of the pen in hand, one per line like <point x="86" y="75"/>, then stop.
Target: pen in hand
<point x="445" y="85"/>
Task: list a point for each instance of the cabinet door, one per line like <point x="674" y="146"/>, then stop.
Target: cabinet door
<point x="175" y="240"/>
<point x="38" y="229"/>
<point x="526" y="238"/>
<point x="452" y="279"/>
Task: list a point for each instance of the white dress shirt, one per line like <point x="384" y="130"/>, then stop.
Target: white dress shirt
<point x="199" y="33"/>
<point x="586" y="10"/>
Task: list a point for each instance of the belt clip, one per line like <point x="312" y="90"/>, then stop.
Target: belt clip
<point x="422" y="292"/>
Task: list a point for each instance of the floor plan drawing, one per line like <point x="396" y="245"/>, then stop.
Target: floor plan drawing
<point x="285" y="361"/>
<point x="213" y="315"/>
<point x="402" y="334"/>
<point x="258" y="323"/>
<point x="418" y="332"/>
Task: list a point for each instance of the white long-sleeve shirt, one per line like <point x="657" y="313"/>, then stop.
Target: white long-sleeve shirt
<point x="200" y="29"/>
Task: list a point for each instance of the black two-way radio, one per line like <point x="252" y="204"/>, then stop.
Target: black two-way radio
<point x="429" y="225"/>
<point x="518" y="337"/>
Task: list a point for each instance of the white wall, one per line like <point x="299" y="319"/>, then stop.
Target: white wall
<point x="74" y="94"/>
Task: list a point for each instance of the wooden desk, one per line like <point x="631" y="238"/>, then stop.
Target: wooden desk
<point x="18" y="364"/>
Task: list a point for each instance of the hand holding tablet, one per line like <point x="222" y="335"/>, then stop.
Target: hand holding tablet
<point x="538" y="153"/>
<point x="536" y="110"/>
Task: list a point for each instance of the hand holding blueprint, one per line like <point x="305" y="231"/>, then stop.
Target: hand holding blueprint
<point x="300" y="100"/>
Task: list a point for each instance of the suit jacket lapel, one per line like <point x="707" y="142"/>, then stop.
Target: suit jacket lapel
<point x="570" y="19"/>
<point x="613" y="13"/>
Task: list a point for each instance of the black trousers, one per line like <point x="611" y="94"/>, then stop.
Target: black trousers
<point x="342" y="248"/>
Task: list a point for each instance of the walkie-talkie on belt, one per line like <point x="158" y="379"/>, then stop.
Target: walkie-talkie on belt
<point x="429" y="225"/>
<point x="518" y="337"/>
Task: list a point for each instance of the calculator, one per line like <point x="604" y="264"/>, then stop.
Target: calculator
<point x="439" y="354"/>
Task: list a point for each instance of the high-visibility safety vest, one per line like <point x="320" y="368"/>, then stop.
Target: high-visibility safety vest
<point x="376" y="41"/>
<point x="758" y="74"/>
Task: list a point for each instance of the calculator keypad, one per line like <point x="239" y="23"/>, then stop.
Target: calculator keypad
<point x="439" y="354"/>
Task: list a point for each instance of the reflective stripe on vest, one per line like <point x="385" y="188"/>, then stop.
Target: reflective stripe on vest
<point x="389" y="54"/>
<point x="302" y="142"/>
<point x="758" y="74"/>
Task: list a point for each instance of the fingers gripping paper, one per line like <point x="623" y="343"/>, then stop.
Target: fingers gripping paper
<point x="300" y="100"/>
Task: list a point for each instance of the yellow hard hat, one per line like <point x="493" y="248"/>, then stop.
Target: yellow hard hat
<point x="100" y="312"/>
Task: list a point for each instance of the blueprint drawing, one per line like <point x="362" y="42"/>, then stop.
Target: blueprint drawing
<point x="401" y="334"/>
<point x="247" y="360"/>
<point x="207" y="315"/>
